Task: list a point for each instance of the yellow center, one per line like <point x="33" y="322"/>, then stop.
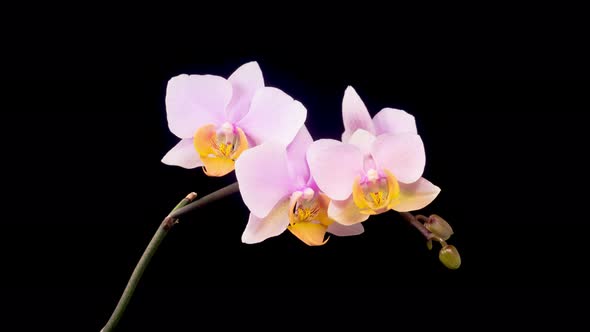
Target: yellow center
<point x="377" y="195"/>
<point x="219" y="150"/>
<point x="225" y="150"/>
<point x="308" y="219"/>
<point x="307" y="214"/>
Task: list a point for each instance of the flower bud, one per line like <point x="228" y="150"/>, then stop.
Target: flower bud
<point x="439" y="227"/>
<point x="450" y="257"/>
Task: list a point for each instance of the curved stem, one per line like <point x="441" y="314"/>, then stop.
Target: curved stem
<point x="421" y="218"/>
<point x="181" y="209"/>
<point x="225" y="191"/>
<point x="418" y="225"/>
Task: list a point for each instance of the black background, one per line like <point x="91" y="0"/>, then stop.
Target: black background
<point x="84" y="126"/>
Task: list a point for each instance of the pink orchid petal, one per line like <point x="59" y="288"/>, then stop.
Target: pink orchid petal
<point x="394" y="121"/>
<point x="355" y="114"/>
<point x="195" y="101"/>
<point x="245" y="81"/>
<point x="296" y="155"/>
<point x="183" y="154"/>
<point x="275" y="223"/>
<point x="273" y="116"/>
<point x="403" y="155"/>
<point x="334" y="166"/>
<point x="417" y="195"/>
<point x="341" y="230"/>
<point x="363" y="140"/>
<point x="346" y="212"/>
<point x="264" y="178"/>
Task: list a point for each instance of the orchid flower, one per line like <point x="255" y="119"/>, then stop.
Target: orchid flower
<point x="377" y="167"/>
<point x="277" y="187"/>
<point x="217" y="119"/>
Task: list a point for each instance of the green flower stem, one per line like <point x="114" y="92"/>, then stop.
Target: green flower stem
<point x="181" y="209"/>
<point x="225" y="191"/>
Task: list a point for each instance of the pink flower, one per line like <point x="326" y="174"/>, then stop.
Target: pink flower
<point x="276" y="185"/>
<point x="217" y="119"/>
<point x="377" y="166"/>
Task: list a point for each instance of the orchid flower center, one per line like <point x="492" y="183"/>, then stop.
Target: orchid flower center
<point x="308" y="217"/>
<point x="304" y="207"/>
<point x="226" y="142"/>
<point x="219" y="147"/>
<point x="376" y="192"/>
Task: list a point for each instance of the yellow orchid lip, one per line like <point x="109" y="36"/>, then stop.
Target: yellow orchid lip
<point x="308" y="217"/>
<point x="219" y="150"/>
<point x="377" y="194"/>
<point x="310" y="233"/>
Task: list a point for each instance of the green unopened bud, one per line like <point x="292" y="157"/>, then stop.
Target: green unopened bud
<point x="439" y="227"/>
<point x="429" y="244"/>
<point x="449" y="256"/>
